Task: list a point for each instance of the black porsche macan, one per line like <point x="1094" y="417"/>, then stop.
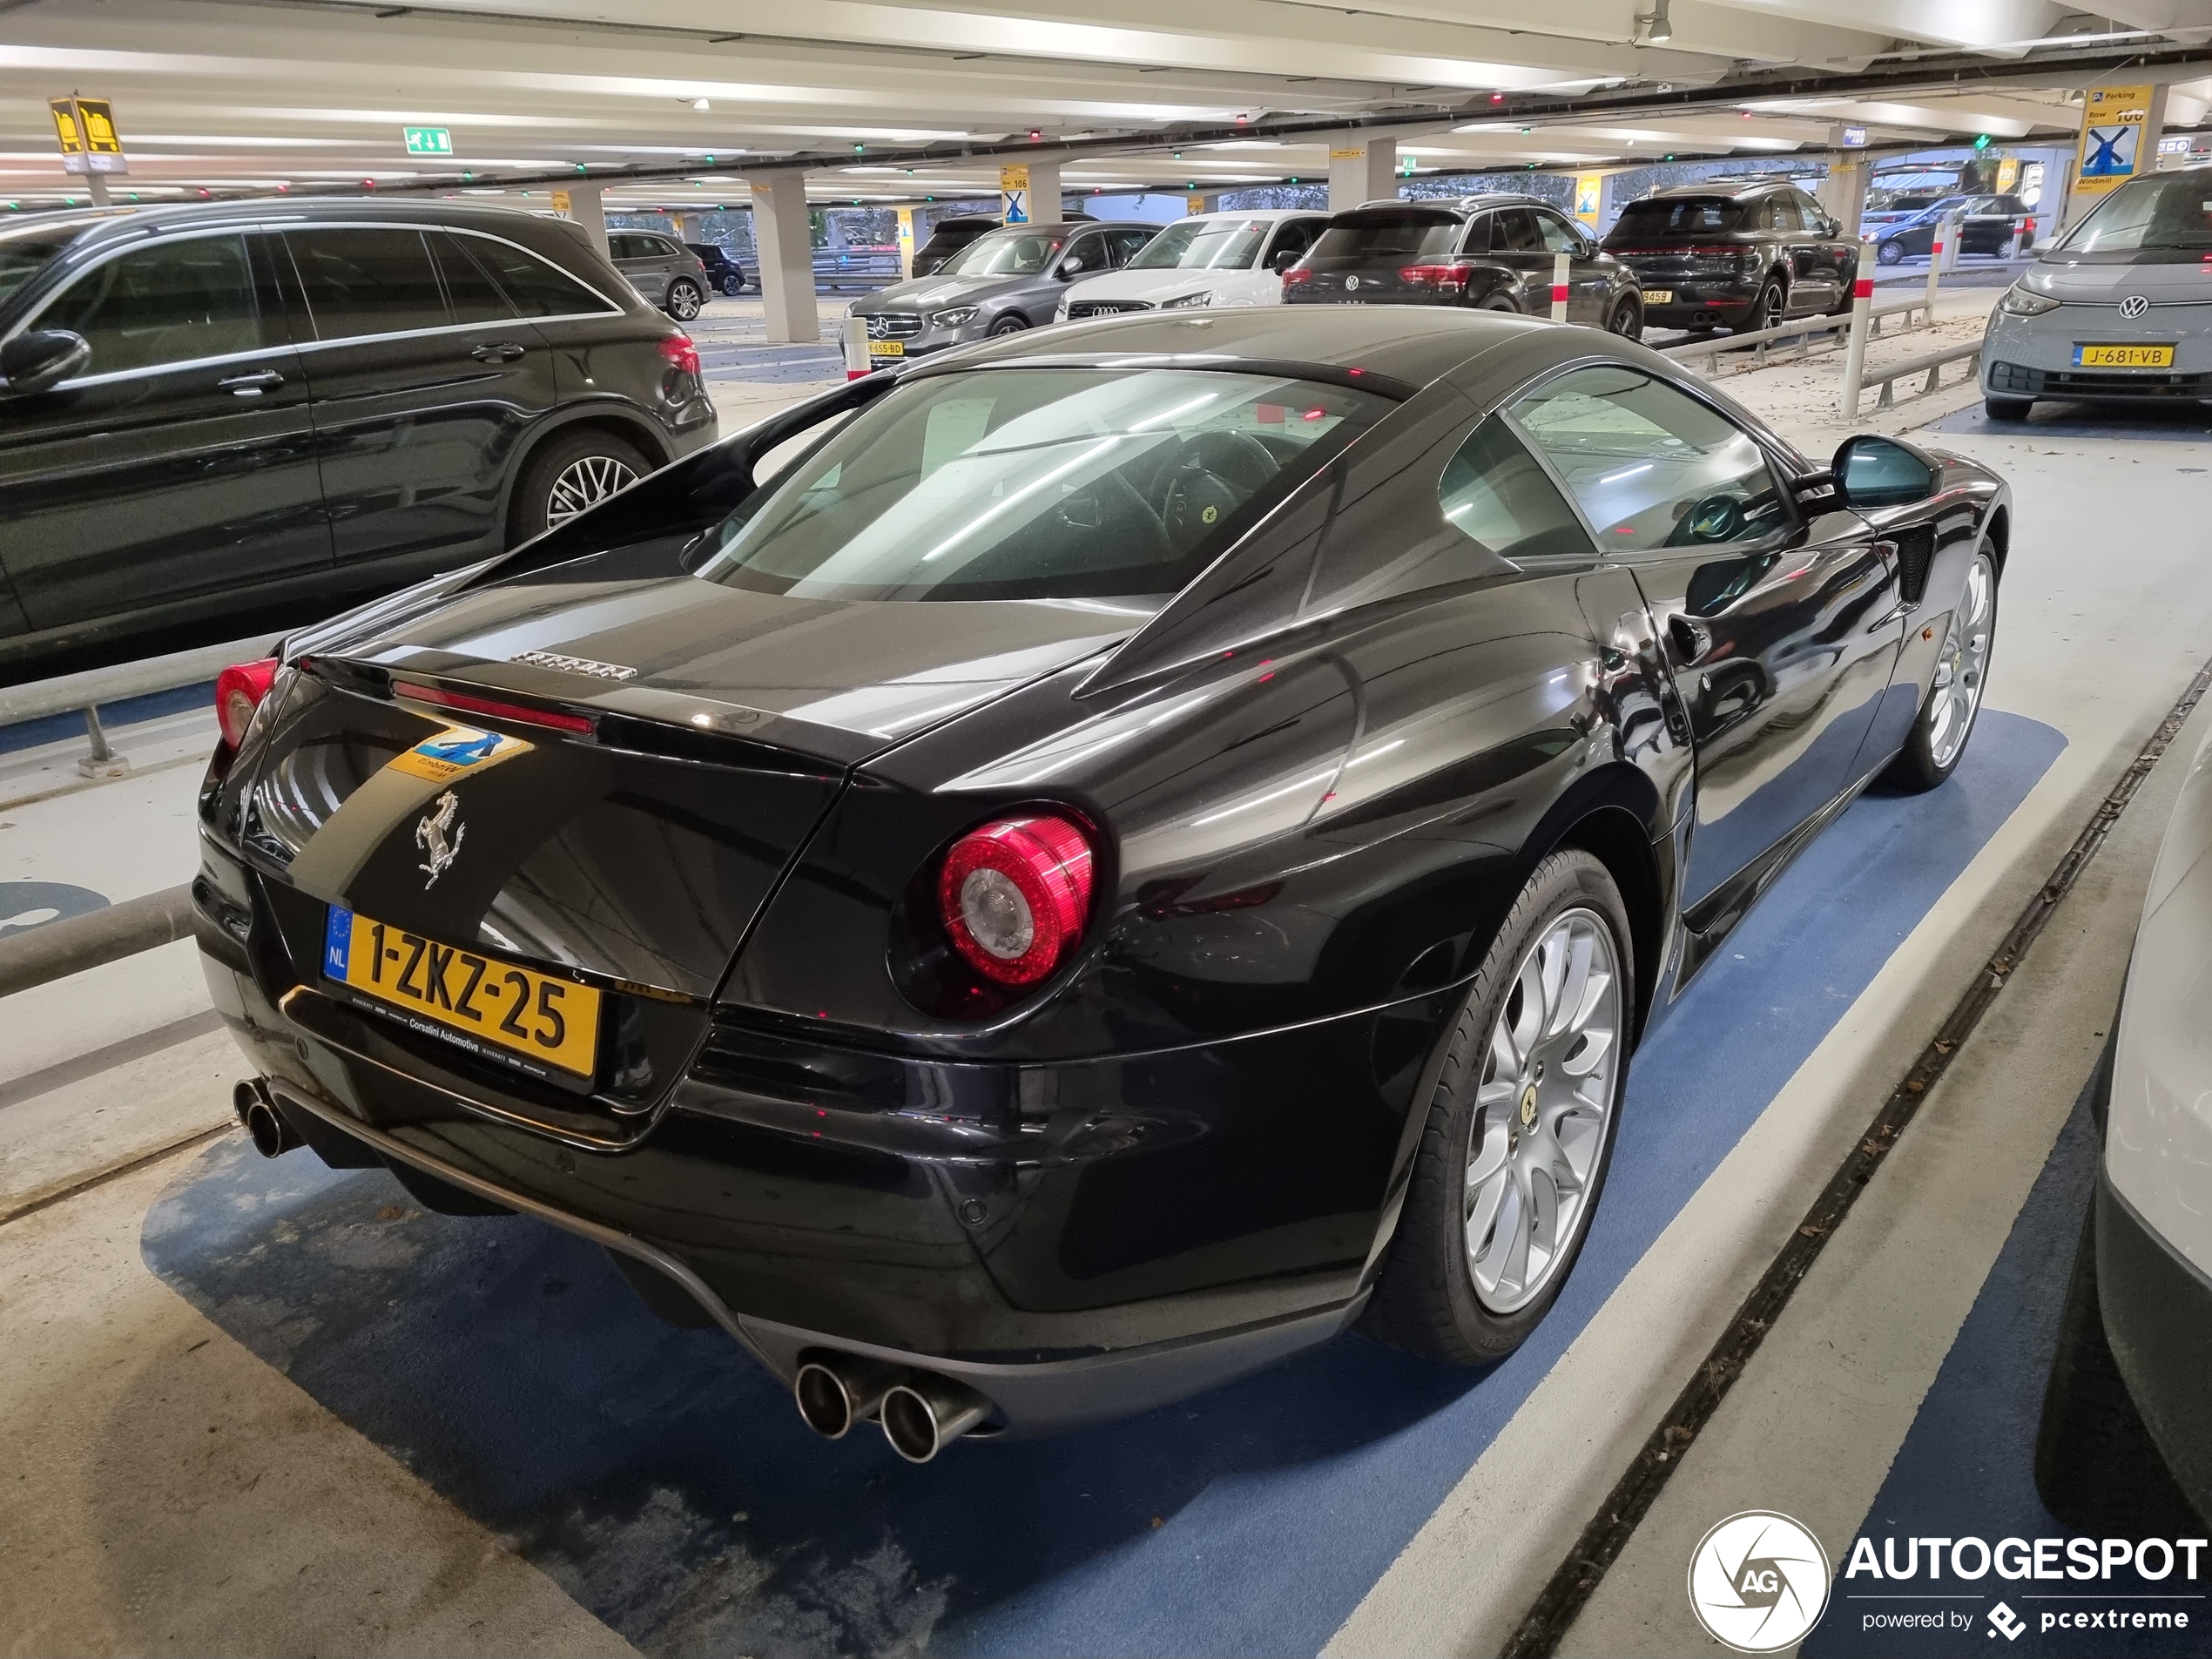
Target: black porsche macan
<point x="1030" y="887"/>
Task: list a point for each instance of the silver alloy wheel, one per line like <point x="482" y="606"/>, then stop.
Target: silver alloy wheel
<point x="1541" y="1111"/>
<point x="584" y="483"/>
<point x="684" y="301"/>
<point x="1956" y="697"/>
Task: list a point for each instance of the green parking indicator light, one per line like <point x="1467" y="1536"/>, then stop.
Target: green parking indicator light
<point x="580" y="167"/>
<point x="860" y="149"/>
<point x="1982" y="143"/>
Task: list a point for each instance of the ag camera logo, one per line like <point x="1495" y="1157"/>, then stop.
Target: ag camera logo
<point x="1758" y="1582"/>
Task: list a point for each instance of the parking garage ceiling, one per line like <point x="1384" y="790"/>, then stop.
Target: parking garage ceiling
<point x="898" y="100"/>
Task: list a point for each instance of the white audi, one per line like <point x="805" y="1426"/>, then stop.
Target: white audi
<point x="1207" y="259"/>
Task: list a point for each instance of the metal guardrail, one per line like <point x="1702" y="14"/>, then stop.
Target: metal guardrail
<point x="1759" y="339"/>
<point x="98" y="937"/>
<point x="1930" y="363"/>
<point x="67" y="693"/>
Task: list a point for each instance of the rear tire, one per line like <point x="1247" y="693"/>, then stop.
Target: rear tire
<point x="733" y="284"/>
<point x="1941" y="730"/>
<point x="2007" y="408"/>
<point x="685" y="299"/>
<point x="1501" y="1156"/>
<point x="1626" y="319"/>
<point x="1766" y="310"/>
<point x="573" y="471"/>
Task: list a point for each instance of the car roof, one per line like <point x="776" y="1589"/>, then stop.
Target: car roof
<point x="1413" y="345"/>
<point x="126" y="224"/>
<point x="1734" y="189"/>
<point x="1251" y="212"/>
<point x="1455" y="207"/>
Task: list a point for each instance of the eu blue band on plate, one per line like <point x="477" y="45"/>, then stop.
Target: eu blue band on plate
<point x="337" y="941"/>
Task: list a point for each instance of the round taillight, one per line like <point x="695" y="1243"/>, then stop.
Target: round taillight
<point x="1014" y="895"/>
<point x="239" y="691"/>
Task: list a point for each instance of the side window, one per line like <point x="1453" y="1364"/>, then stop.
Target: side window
<point x="1091" y="251"/>
<point x="534" y="287"/>
<point x="1652" y="467"/>
<point x="1124" y="245"/>
<point x="1293" y="236"/>
<point x="169" y="303"/>
<point x="1779" y="213"/>
<point x="1493" y="493"/>
<point x="1559" y="237"/>
<point x="1810" y="214"/>
<point x="1512" y="230"/>
<point x="367" y="281"/>
<point x="621" y="245"/>
<point x="475" y="297"/>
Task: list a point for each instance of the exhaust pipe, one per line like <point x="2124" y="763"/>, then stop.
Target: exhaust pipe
<point x="925" y="1414"/>
<point x="272" y="1135"/>
<point x="835" y="1391"/>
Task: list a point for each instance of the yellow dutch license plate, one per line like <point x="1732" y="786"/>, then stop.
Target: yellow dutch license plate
<point x="2123" y="357"/>
<point x="465" y="994"/>
<point x="1658" y="296"/>
<point x="887" y="348"/>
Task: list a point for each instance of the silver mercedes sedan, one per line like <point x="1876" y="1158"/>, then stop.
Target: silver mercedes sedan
<point x="2120" y="309"/>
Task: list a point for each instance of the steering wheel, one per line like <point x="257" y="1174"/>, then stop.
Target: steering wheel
<point x="1213" y="476"/>
<point x="1715" y="518"/>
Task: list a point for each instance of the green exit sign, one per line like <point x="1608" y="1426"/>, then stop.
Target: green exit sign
<point x="428" y="141"/>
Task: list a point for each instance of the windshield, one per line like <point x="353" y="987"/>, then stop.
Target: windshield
<point x="1203" y="244"/>
<point x="2168" y="211"/>
<point x="1036" y="484"/>
<point x="1676" y="216"/>
<point x="28" y="251"/>
<point x="1015" y="251"/>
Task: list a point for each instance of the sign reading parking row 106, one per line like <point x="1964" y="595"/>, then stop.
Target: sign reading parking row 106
<point x="428" y="141"/>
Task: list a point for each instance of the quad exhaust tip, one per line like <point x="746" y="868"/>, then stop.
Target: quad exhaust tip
<point x="919" y="1413"/>
<point x="256" y="1109"/>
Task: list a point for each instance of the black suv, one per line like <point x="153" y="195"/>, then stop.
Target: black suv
<point x="227" y="410"/>
<point x="1743" y="256"/>
<point x="948" y="237"/>
<point x="1495" y="253"/>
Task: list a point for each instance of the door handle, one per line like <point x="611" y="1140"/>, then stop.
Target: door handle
<point x="249" y="385"/>
<point x="505" y="351"/>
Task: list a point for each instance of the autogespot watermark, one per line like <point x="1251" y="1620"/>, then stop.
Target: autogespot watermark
<point x="1758" y="1582"/>
<point x="1950" y="1580"/>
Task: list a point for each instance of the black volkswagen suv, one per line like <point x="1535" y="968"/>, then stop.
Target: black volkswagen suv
<point x="1496" y="252"/>
<point x="1741" y="255"/>
<point x="243" y="409"/>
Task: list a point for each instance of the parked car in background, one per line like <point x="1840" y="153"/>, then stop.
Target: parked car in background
<point x="948" y="236"/>
<point x="2125" y="1445"/>
<point x="1136" y="851"/>
<point x="207" y="409"/>
<point x="1987" y="224"/>
<point x="2114" y="311"/>
<point x="664" y="269"/>
<point x="1493" y="253"/>
<point x="1003" y="282"/>
<point x="1892" y="207"/>
<point x="724" y="273"/>
<point x="1741" y="256"/>
<point x="1206" y="259"/>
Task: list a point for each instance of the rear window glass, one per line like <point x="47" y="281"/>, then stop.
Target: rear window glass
<point x="1679" y="216"/>
<point x="1036" y="484"/>
<point x="1382" y="237"/>
<point x="534" y="287"/>
<point x="367" y="281"/>
<point x="2172" y="212"/>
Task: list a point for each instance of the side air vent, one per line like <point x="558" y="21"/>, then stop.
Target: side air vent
<point x="1915" y="549"/>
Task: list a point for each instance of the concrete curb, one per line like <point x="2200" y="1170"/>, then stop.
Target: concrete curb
<point x="61" y="948"/>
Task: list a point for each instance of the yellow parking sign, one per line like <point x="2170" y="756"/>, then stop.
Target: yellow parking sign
<point x="1014" y="194"/>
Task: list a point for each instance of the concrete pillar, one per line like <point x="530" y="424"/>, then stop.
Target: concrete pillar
<point x="1843" y="192"/>
<point x="1044" y="193"/>
<point x="1621" y="189"/>
<point x="785" y="256"/>
<point x="581" y="202"/>
<point x="1362" y="169"/>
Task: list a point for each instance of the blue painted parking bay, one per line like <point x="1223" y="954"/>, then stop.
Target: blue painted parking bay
<point x="667" y="1484"/>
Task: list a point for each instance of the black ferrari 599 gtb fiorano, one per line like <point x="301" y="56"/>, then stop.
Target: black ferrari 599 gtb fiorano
<point x="1030" y="887"/>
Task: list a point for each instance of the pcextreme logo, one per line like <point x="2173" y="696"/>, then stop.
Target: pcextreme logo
<point x="1758" y="1582"/>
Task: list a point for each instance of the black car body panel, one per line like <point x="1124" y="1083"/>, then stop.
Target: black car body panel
<point x="1707" y="254"/>
<point x="948" y="236"/>
<point x="1319" y="774"/>
<point x="724" y="270"/>
<point x="309" y="401"/>
<point x="1494" y="252"/>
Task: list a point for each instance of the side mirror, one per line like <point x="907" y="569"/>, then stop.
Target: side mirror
<point x="35" y="361"/>
<point x="1071" y="266"/>
<point x="1873" y="471"/>
<point x="1284" y="259"/>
